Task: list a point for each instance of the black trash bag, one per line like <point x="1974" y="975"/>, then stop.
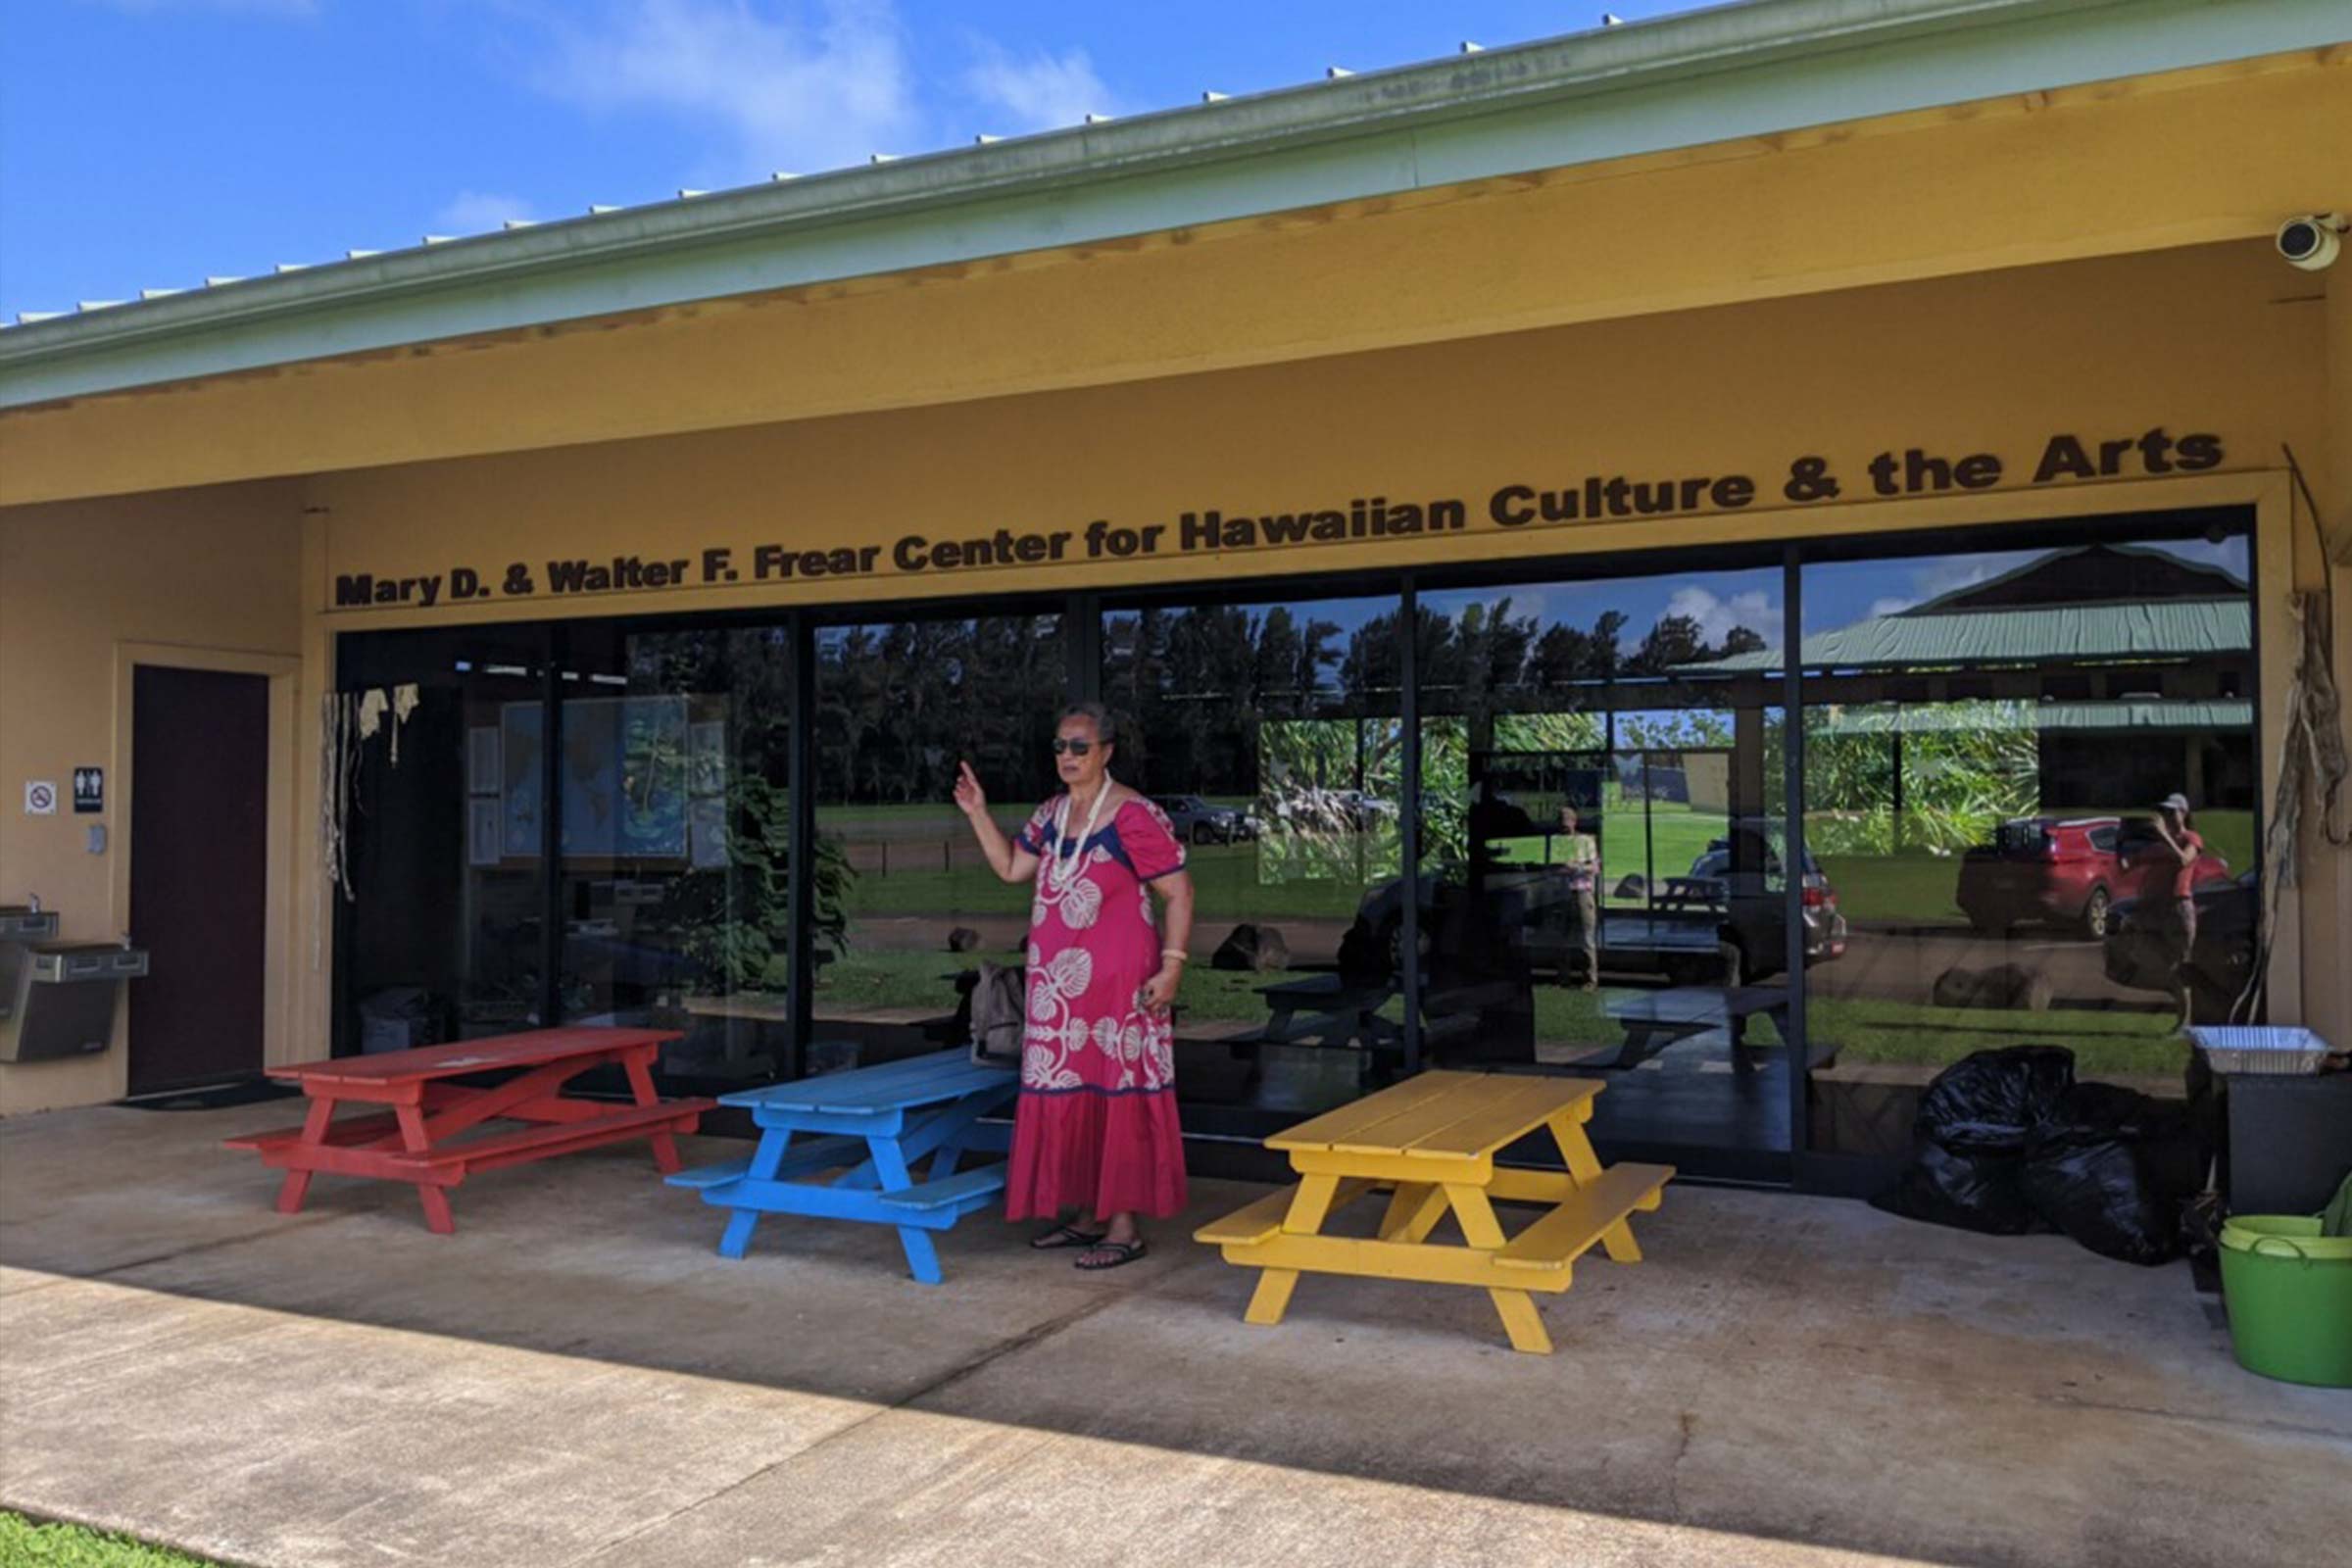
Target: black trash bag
<point x="1965" y="1189"/>
<point x="1970" y="1136"/>
<point x="1995" y="1099"/>
<point x="2113" y="1170"/>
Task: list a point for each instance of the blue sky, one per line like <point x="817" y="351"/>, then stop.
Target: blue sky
<point x="149" y="143"/>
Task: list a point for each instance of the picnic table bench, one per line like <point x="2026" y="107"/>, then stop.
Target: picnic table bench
<point x="861" y="1133"/>
<point x="1431" y="1141"/>
<point x="1334" y="1009"/>
<point x="1328" y="1007"/>
<point x="419" y="1137"/>
<point x="1657" y="1019"/>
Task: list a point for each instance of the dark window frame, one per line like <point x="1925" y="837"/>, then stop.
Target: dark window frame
<point x="1082" y="611"/>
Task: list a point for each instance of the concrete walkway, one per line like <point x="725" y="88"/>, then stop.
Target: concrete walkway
<point x="575" y="1379"/>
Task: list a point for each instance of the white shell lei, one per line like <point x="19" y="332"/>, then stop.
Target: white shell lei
<point x="1055" y="876"/>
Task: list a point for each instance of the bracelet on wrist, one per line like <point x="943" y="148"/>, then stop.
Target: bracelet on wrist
<point x="1178" y="954"/>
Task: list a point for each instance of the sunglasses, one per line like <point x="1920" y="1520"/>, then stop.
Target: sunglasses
<point x="1074" y="747"/>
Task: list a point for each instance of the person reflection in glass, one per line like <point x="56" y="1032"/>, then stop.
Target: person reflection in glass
<point x="2177" y="925"/>
<point x="1577" y="859"/>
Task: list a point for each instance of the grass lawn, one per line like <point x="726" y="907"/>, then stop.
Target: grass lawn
<point x="1664" y="843"/>
<point x="1921" y="1034"/>
<point x="1231" y="887"/>
<point x="1897" y="889"/>
<point x="25" y="1545"/>
<point x="1915" y="1033"/>
<point x="1225" y="877"/>
<point x="913" y="980"/>
<point x="1916" y="888"/>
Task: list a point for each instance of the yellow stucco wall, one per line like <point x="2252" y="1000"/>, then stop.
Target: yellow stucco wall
<point x="206" y="578"/>
<point x="2208" y="339"/>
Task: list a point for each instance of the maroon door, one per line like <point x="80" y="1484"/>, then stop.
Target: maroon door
<point x="199" y="818"/>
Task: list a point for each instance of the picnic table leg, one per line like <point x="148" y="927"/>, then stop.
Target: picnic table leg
<point x="766" y="1160"/>
<point x="942" y="1132"/>
<point x="1576" y="1150"/>
<point x="1310" y="1205"/>
<point x="297" y="1184"/>
<point x="437" y="1217"/>
<point x="1484" y="1232"/>
<point x="1414" y="1211"/>
<point x="641" y="1088"/>
<point x="922" y="1259"/>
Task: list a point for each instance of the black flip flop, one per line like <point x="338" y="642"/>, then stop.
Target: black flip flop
<point x="1062" y="1236"/>
<point x="1128" y="1252"/>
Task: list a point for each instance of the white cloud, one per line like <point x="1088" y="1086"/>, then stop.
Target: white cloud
<point x="1944" y="574"/>
<point x="1953" y="573"/>
<point x="474" y="212"/>
<point x="789" y="94"/>
<point x="1041" y="91"/>
<point x="1717" y="616"/>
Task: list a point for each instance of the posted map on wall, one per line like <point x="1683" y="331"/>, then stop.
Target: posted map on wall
<point x="624" y="778"/>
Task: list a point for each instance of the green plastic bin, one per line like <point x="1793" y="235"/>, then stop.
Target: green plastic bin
<point x="2290" y="1290"/>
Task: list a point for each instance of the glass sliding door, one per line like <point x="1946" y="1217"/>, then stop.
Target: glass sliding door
<point x="906" y="907"/>
<point x="441" y="921"/>
<point x="673" y="767"/>
<point x="1990" y="738"/>
<point x="1605" y="876"/>
<point x="1269" y="732"/>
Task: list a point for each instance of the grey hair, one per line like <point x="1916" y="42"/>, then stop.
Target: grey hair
<point x="1107" y="728"/>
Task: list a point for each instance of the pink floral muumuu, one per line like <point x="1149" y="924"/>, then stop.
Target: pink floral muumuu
<point x="1096" y="1124"/>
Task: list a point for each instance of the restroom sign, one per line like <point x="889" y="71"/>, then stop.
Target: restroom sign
<point x="89" y="788"/>
<point x="41" y="798"/>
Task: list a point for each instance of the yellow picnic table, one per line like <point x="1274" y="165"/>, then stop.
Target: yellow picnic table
<point x="1432" y="1140"/>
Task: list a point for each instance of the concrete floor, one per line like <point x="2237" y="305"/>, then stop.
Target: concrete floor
<point x="574" y="1378"/>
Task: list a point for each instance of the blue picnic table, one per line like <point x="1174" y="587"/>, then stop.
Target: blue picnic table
<point x="870" y="1128"/>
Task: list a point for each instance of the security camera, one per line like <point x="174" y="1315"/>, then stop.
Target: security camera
<point x="2310" y="240"/>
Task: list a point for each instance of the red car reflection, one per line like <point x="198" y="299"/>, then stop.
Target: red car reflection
<point x="2069" y="871"/>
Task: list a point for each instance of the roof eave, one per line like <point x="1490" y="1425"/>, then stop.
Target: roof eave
<point x="165" y="339"/>
<point x="1605" y="59"/>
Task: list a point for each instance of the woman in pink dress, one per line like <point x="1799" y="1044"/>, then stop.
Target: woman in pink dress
<point x="1096" y="1129"/>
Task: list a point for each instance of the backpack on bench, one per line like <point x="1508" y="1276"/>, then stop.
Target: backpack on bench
<point x="1000" y="1014"/>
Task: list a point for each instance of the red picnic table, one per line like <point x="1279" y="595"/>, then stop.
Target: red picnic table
<point x="420" y="1141"/>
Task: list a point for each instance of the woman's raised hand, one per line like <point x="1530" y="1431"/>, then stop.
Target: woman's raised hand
<point x="970" y="797"/>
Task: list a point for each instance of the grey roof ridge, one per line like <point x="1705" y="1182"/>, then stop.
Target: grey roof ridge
<point x="1600" y="59"/>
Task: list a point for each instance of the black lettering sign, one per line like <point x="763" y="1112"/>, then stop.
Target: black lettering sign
<point x="1524" y="502"/>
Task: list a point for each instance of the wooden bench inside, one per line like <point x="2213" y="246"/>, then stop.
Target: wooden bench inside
<point x="1565" y="1233"/>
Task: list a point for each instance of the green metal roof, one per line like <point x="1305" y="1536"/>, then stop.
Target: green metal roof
<point x="2129" y="713"/>
<point x="2166" y="628"/>
<point x="1689" y="80"/>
